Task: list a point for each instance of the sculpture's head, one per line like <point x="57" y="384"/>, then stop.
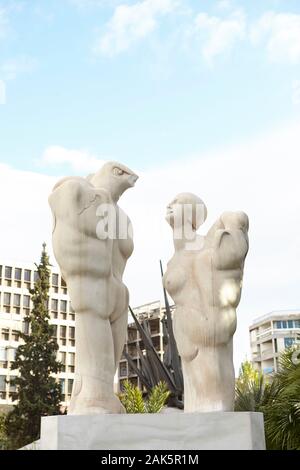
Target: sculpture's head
<point x="114" y="177"/>
<point x="186" y="209"/>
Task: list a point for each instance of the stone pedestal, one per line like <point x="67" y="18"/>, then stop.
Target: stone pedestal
<point x="166" y="431"/>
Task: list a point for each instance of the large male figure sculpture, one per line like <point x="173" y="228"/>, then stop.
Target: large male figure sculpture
<point x="92" y="241"/>
<point x="204" y="278"/>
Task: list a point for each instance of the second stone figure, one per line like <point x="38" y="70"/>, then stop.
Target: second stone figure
<point x="204" y="278"/>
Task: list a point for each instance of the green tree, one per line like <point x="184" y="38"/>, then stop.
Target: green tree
<point x="251" y="389"/>
<point x="133" y="401"/>
<point x="37" y="390"/>
<point x="3" y="433"/>
<point x="278" y="400"/>
<point x="282" y="411"/>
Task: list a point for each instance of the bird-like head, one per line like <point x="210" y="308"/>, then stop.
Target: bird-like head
<point x="115" y="178"/>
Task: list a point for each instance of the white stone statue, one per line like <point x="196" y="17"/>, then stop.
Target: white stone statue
<point x="204" y="278"/>
<point x="92" y="240"/>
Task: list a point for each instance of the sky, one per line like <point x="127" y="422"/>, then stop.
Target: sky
<point x="198" y="96"/>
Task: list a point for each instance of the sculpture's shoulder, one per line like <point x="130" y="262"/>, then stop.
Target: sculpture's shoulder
<point x="75" y="192"/>
<point x="235" y="221"/>
<point x="227" y="240"/>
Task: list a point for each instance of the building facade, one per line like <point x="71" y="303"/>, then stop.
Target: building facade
<point x="15" y="302"/>
<point x="270" y="334"/>
<point x="154" y="313"/>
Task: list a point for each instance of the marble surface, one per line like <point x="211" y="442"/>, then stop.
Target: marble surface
<point x="171" y="431"/>
<point x="204" y="278"/>
<point x="92" y="241"/>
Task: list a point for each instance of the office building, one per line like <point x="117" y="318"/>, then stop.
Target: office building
<point x="270" y="334"/>
<point x="15" y="302"/>
<point x="152" y="312"/>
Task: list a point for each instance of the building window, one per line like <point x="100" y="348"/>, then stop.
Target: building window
<point x="35" y="276"/>
<point x="18" y="274"/>
<point x="268" y="370"/>
<point x="63" y="360"/>
<point x="12" y="354"/>
<point x="72" y="335"/>
<point x="71" y="312"/>
<point x="297" y="323"/>
<point x="8" y="272"/>
<point x="284" y="324"/>
<point x="25" y="327"/>
<point x="63" y="286"/>
<point x="3" y="358"/>
<point x="123" y="369"/>
<point x="12" y="390"/>
<point x="71" y="367"/>
<point x="54" y="305"/>
<point x="63" y="331"/>
<point x="55" y="280"/>
<point x="288" y="342"/>
<point x="54" y="308"/>
<point x="62" y="385"/>
<point x="2" y="387"/>
<point x="54" y="331"/>
<point x="5" y="334"/>
<point x="63" y="309"/>
<point x="70" y="386"/>
<point x="7" y="299"/>
<point x="26" y="301"/>
<point x="17" y="303"/>
<point x="15" y="335"/>
<point x="27" y="275"/>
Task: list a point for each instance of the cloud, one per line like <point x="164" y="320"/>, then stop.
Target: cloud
<point x="223" y="5"/>
<point x="131" y="23"/>
<point x="296" y="92"/>
<point x="12" y="67"/>
<point x="91" y="3"/>
<point x="259" y="176"/>
<point x="2" y="92"/>
<point x="280" y="32"/>
<point x="76" y="160"/>
<point x="3" y="22"/>
<point x="218" y="35"/>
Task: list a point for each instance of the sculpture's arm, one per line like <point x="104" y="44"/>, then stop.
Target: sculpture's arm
<point x="230" y="244"/>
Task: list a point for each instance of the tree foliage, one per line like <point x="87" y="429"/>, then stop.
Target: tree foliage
<point x="4" y="442"/>
<point x="278" y="400"/>
<point x="37" y="390"/>
<point x="133" y="401"/>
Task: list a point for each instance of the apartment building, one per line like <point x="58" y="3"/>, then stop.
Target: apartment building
<point x="15" y="302"/>
<point x="270" y="334"/>
<point x="152" y="312"/>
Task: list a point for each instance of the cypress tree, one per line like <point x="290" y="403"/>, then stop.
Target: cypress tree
<point x="37" y="391"/>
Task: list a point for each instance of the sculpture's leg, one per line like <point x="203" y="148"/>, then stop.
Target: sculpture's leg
<point x="95" y="367"/>
<point x="119" y="329"/>
<point x="209" y="380"/>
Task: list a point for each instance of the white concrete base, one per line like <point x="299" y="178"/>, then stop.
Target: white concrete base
<point x="170" y="431"/>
